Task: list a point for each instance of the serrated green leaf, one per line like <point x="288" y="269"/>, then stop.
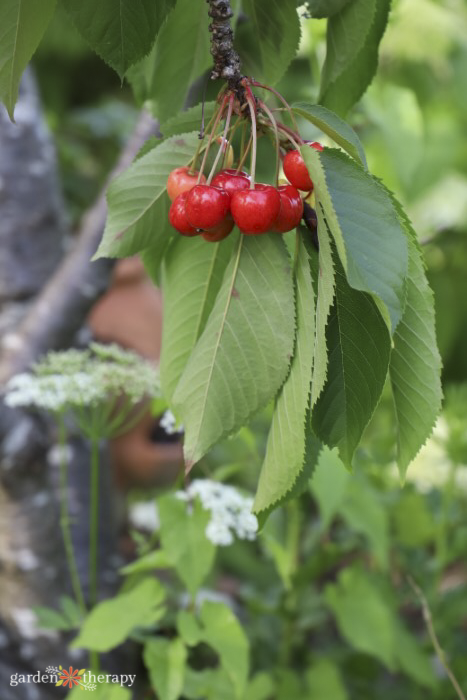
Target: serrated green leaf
<point x="180" y="55"/>
<point x="183" y="539"/>
<point x="335" y="127"/>
<point x="166" y="662"/>
<point x="362" y="219"/>
<point x="359" y="350"/>
<point x="110" y="622"/>
<point x="138" y="202"/>
<point x="22" y="25"/>
<point x="190" y="120"/>
<point x="325" y="8"/>
<point x="415" y="367"/>
<point x="276" y="29"/>
<point x="122" y="32"/>
<point x="353" y="37"/>
<point x="285" y="449"/>
<point x="192" y="277"/>
<point x="244" y="352"/>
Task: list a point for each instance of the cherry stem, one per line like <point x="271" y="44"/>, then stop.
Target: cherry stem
<point x="223" y="139"/>
<point x="251" y="105"/>
<point x="245" y="153"/>
<point x="279" y="97"/>
<point x="230" y="140"/>
<point x="286" y="133"/>
<point x="211" y="136"/>
<point x="276" y="136"/>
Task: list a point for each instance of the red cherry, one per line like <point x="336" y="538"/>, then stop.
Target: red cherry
<point x="296" y="171"/>
<point x="178" y="218"/>
<point x="206" y="206"/>
<point x="182" y="180"/>
<point x="291" y="210"/>
<point x="255" y="211"/>
<point x="230" y="181"/>
<point x="219" y="232"/>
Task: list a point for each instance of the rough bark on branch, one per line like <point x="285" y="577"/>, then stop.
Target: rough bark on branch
<point x="227" y="63"/>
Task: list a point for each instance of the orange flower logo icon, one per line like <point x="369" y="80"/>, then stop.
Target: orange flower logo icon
<point x="70" y="677"/>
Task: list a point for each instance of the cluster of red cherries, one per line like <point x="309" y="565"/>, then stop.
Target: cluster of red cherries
<point x="212" y="207"/>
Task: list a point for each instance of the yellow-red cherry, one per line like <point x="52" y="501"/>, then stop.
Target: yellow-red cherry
<point x="178" y="218"/>
<point x="182" y="180"/>
<point x="230" y="181"/>
<point x="219" y="232"/>
<point x="255" y="211"/>
<point x="207" y="206"/>
<point x="295" y="169"/>
<point x="291" y="210"/>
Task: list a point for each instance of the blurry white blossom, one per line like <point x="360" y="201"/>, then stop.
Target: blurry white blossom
<point x="231" y="512"/>
<point x="169" y="423"/>
<point x="144" y="516"/>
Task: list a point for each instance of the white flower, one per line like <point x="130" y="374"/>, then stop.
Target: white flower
<point x="144" y="516"/>
<point x="169" y="423"/>
<point x="230" y="511"/>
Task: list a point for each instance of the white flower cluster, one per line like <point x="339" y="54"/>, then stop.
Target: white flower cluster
<point x="144" y="515"/>
<point x="169" y="423"/>
<point x="230" y="511"/>
<point x="83" y="378"/>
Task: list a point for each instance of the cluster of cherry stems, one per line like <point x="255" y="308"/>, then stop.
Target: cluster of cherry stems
<point x="212" y="206"/>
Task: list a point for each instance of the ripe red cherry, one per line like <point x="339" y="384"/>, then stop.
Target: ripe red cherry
<point x="291" y="210"/>
<point x="296" y="171"/>
<point x="255" y="211"/>
<point x="219" y="232"/>
<point x="230" y="181"/>
<point x="206" y="206"/>
<point x="178" y="218"/>
<point x="182" y="180"/>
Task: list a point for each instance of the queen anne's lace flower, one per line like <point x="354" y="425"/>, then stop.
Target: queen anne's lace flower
<point x="169" y="423"/>
<point x="230" y="511"/>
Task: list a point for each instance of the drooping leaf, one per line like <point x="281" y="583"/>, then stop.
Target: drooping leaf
<point x="415" y="367"/>
<point x="325" y="8"/>
<point x="180" y="55"/>
<point x="363" y="221"/>
<point x="166" y="660"/>
<point x="184" y="541"/>
<point x="275" y="26"/>
<point x="335" y="127"/>
<point x="285" y="449"/>
<point x="187" y="121"/>
<point x="122" y="32"/>
<point x="353" y="37"/>
<point x="22" y="25"/>
<point x="193" y="273"/>
<point x="244" y="352"/>
<point x="137" y="200"/>
<point x="359" y="349"/>
<point x="110" y="622"/>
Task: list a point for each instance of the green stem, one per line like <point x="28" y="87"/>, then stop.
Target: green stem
<point x="65" y="518"/>
<point x="94" y="535"/>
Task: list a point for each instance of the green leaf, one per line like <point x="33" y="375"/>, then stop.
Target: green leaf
<point x="192" y="277"/>
<point x="189" y="120"/>
<point x="329" y="484"/>
<point x="415" y="367"/>
<point x="324" y="681"/>
<point x="412" y="659"/>
<point x="111" y="622"/>
<point x="188" y="628"/>
<point x="335" y="127"/>
<point x="48" y="618"/>
<point x="72" y="610"/>
<point x="153" y="560"/>
<point x="166" y="661"/>
<point x="362" y="615"/>
<point x="413" y="522"/>
<point x="359" y="350"/>
<point x="364" y="512"/>
<point x="22" y="25"/>
<point x="153" y="257"/>
<point x="362" y="219"/>
<point x="353" y="37"/>
<point x="121" y="32"/>
<point x="285" y="449"/>
<point x="244" y="352"/>
<point x="137" y="199"/>
<point x="223" y="632"/>
<point x="325" y="8"/>
<point x="276" y="29"/>
<point x="180" y="55"/>
<point x="183" y="538"/>
<point x="261" y="687"/>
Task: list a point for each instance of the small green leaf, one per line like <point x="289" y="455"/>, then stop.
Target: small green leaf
<point x="153" y="560"/>
<point x="189" y="628"/>
<point x="183" y="537"/>
<point x="122" y="32"/>
<point x="324" y="681"/>
<point x="353" y="37"/>
<point x="48" y="618"/>
<point x="335" y="127"/>
<point x="244" y="352"/>
<point x="192" y="277"/>
<point x="166" y="661"/>
<point x="22" y="25"/>
<point x="260" y="687"/>
<point x="110" y="622"/>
